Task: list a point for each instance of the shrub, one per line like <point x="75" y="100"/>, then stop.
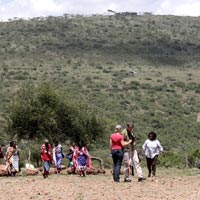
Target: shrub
<point x="171" y="159"/>
<point x="194" y="158"/>
<point x="197" y="163"/>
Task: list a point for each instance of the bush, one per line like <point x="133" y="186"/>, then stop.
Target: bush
<point x="194" y="158"/>
<point x="171" y="159"/>
<point x="197" y="163"/>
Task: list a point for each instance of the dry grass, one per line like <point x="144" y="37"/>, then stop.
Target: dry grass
<point x="170" y="184"/>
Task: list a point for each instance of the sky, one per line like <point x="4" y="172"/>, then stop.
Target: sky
<point x="10" y="9"/>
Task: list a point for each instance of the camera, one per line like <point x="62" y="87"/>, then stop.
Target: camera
<point x="133" y="137"/>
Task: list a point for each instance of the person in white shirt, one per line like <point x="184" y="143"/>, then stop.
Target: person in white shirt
<point x="151" y="148"/>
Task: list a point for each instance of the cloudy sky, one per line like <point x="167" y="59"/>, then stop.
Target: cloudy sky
<point x="37" y="8"/>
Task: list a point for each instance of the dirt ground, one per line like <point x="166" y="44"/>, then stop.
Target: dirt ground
<point x="168" y="185"/>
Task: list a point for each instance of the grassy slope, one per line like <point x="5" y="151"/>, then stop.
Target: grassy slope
<point x="96" y="58"/>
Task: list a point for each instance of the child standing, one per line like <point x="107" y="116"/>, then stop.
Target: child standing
<point x="151" y="149"/>
<point x="70" y="156"/>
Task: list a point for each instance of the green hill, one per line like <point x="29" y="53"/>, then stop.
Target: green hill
<point x="140" y="68"/>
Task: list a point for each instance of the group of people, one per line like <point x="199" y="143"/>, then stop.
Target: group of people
<point x="78" y="156"/>
<point x="122" y="147"/>
<point x="50" y="154"/>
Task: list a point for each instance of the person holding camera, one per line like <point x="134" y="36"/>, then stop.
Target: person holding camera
<point x="131" y="155"/>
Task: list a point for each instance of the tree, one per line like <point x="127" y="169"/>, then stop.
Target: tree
<point x="45" y="112"/>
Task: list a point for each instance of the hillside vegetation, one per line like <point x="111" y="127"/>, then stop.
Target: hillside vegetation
<point x="140" y="68"/>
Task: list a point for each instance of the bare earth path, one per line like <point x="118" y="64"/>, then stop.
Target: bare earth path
<point x="166" y="186"/>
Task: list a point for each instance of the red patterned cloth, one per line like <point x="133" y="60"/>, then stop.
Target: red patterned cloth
<point x="46" y="153"/>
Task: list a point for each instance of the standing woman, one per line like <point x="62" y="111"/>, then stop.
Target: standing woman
<point x="46" y="157"/>
<point x="116" y="144"/>
<point x="151" y="149"/>
<point x="58" y="152"/>
<point x="81" y="159"/>
<point x="12" y="159"/>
